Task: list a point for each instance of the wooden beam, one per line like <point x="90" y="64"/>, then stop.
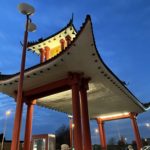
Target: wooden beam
<point x="123" y="116"/>
<point x="50" y="88"/>
<point x="54" y="87"/>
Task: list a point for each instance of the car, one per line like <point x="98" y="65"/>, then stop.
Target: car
<point x="146" y="147"/>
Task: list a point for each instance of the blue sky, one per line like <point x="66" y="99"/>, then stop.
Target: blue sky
<point x="122" y="33"/>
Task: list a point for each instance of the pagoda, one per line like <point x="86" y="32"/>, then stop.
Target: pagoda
<point x="71" y="77"/>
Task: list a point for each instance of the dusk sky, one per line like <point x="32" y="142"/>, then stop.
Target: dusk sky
<point x="122" y="35"/>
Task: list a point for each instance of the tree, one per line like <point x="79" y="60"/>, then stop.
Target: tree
<point x="122" y="143"/>
<point x="62" y="136"/>
<point x="112" y="141"/>
<point x="1" y="137"/>
<point x="144" y="142"/>
<point x="134" y="144"/>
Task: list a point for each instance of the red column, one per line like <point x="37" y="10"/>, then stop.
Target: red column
<point x="70" y="130"/>
<point x="62" y="42"/>
<point x="42" y="55"/>
<point x="68" y="39"/>
<point x="76" y="117"/>
<point x="28" y="129"/>
<point x="136" y="131"/>
<point x="47" y="53"/>
<point x="85" y="118"/>
<point x="102" y="134"/>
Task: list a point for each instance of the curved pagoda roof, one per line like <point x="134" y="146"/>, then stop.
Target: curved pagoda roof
<point x="106" y="95"/>
<point x="53" y="41"/>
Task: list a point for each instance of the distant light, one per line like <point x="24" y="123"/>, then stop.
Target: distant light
<point x="147" y="124"/>
<point x="125" y="139"/>
<point x="96" y="130"/>
<point x="73" y="125"/>
<point x="145" y="140"/>
<point x="8" y="112"/>
<point x="70" y="116"/>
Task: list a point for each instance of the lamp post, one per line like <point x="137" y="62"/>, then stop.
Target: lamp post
<point x="71" y="132"/>
<point x="26" y="10"/>
<point x="7" y="114"/>
<point x="125" y="139"/>
<point x="96" y="132"/>
<point x="96" y="139"/>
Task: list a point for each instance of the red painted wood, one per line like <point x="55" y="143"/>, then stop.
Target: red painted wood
<point x="48" y="89"/>
<point x="68" y="39"/>
<point x="76" y="117"/>
<point x="42" y="55"/>
<point x="28" y="128"/>
<point x="47" y="53"/>
<point x="85" y="120"/>
<point x="102" y="134"/>
<point x="116" y="117"/>
<point x="62" y="42"/>
<point x="136" y="131"/>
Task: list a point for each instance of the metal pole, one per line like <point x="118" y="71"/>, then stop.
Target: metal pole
<point x="72" y="136"/>
<point x="18" y="114"/>
<point x="4" y="131"/>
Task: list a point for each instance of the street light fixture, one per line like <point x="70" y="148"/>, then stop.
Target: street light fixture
<point x="96" y="131"/>
<point x="7" y="114"/>
<point x="26" y="10"/>
<point x="125" y="140"/>
<point x="71" y="131"/>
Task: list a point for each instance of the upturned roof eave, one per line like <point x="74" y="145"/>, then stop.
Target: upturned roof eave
<point x="51" y="36"/>
<point x="109" y="70"/>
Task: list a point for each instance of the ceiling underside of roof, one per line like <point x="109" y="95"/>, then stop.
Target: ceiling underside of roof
<point x="106" y="94"/>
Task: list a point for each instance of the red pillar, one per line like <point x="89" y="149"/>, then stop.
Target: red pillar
<point x="28" y="129"/>
<point x="85" y="118"/>
<point x="68" y="39"/>
<point x="102" y="134"/>
<point x="76" y="117"/>
<point x="42" y="55"/>
<point x="136" y="131"/>
<point x="47" y="53"/>
<point x="62" y="42"/>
